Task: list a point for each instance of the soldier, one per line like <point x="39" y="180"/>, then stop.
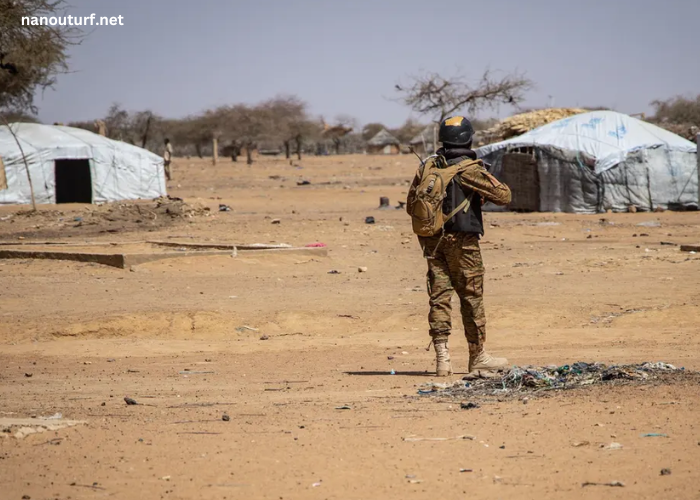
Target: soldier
<point x="454" y="256"/>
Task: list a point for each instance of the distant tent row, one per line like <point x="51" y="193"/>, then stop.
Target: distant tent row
<point x="70" y="165"/>
<point x="594" y="162"/>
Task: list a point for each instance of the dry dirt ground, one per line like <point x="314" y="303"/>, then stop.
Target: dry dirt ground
<point x="184" y="337"/>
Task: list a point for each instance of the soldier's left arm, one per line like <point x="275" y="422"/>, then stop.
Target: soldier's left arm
<point x="479" y="180"/>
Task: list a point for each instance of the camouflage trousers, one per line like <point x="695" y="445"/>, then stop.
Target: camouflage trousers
<point x="456" y="265"/>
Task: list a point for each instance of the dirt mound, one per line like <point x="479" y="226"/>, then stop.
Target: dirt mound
<point x="165" y="206"/>
<point x="107" y="217"/>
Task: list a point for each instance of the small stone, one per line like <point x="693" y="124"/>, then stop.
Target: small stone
<point x="665" y="472"/>
<point x="225" y="417"/>
<point x="264" y="337"/>
<point x="362" y="269"/>
<point x="276" y="221"/>
<point x="28" y="375"/>
<point x="130" y="401"/>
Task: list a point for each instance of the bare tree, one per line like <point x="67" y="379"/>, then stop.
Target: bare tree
<point x="285" y="113"/>
<point x="343" y="126"/>
<point x="434" y="95"/>
<point x="248" y="125"/>
<point x="24" y="159"/>
<point x="31" y="56"/>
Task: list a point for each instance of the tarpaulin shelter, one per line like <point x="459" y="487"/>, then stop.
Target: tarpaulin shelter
<point x="596" y="161"/>
<point x="71" y="165"/>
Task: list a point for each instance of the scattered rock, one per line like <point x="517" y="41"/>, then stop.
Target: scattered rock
<point x="224" y="208"/>
<point x="28" y="375"/>
<point x="665" y="472"/>
<point x="650" y="223"/>
<point x="130" y="401"/>
<point x="333" y="271"/>
<point x="469" y="406"/>
<point x="264" y="337"/>
<point x="369" y="220"/>
<point x="246" y="328"/>
<point x="225" y="417"/>
<point x="303" y="183"/>
<point x="276" y="221"/>
<point x="362" y="269"/>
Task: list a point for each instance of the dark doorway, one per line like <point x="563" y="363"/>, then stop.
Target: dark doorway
<point x="73" y="181"/>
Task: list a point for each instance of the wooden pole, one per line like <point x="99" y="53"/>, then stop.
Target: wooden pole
<point x="215" y="146"/>
<point x="24" y="158"/>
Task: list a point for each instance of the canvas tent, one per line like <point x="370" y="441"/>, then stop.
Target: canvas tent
<point x="596" y="161"/>
<point x="70" y="165"/>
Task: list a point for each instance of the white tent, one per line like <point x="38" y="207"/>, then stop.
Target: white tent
<point x="73" y="165"/>
<point x="597" y="161"/>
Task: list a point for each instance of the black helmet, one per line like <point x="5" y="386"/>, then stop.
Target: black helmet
<point x="456" y="131"/>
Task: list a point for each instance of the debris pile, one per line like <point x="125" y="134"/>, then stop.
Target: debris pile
<point x="534" y="379"/>
<point x="519" y="124"/>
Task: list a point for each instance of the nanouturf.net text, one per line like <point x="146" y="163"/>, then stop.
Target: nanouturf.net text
<point x="91" y="20"/>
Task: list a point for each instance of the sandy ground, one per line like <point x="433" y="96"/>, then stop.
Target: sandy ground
<point x="184" y="337"/>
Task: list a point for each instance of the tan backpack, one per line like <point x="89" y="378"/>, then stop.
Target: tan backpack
<point x="425" y="207"/>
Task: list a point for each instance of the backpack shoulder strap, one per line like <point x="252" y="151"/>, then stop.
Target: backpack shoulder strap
<point x="462" y="206"/>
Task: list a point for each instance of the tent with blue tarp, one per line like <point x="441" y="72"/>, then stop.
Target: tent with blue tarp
<point x="597" y="161"/>
<point x="71" y="165"/>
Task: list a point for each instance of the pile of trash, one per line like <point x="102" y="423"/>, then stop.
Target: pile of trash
<point x="534" y="379"/>
<point x="524" y="122"/>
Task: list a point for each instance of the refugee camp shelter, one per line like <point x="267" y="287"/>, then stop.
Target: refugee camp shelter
<point x="596" y="161"/>
<point x="424" y="142"/>
<point x="70" y="165"/>
<point x="383" y="143"/>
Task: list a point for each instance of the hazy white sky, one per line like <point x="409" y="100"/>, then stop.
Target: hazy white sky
<point x="179" y="57"/>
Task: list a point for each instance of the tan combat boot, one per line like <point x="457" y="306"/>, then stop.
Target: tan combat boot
<point x="479" y="359"/>
<point x="443" y="367"/>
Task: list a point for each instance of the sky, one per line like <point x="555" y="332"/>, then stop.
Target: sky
<point x="178" y="57"/>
